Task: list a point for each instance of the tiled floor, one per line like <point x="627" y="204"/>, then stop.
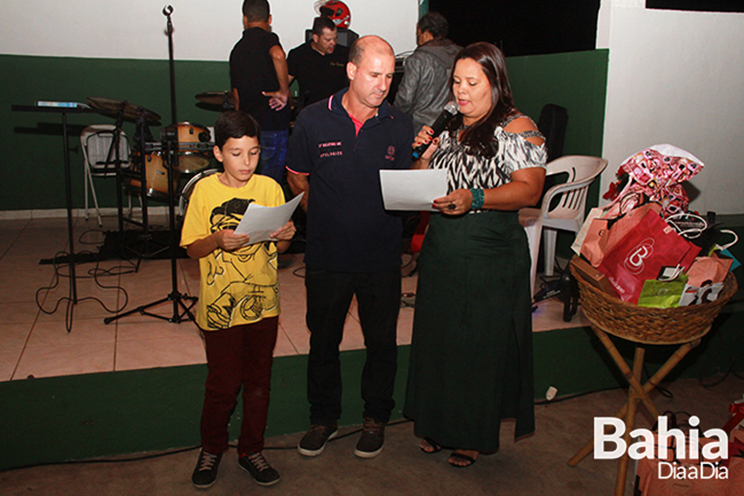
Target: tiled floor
<point x="34" y="341"/>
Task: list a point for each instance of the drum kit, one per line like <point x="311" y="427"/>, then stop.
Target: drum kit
<point x="149" y="159"/>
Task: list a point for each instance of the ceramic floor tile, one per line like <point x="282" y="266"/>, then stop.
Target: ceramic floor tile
<point x="85" y="357"/>
<point x="160" y="352"/>
<point x="292" y="293"/>
<point x="49" y="223"/>
<point x="191" y="276"/>
<point x="153" y="278"/>
<point x="13" y="313"/>
<point x="405" y="326"/>
<point x="408" y="284"/>
<point x="83" y="331"/>
<point x="549" y="316"/>
<point x="21" y="284"/>
<point x="299" y="336"/>
<point x="44" y="243"/>
<point x="8" y="361"/>
<point x="292" y="303"/>
<point x="17" y="256"/>
<point x="138" y="341"/>
<point x="131" y="330"/>
<point x="13" y="227"/>
<point x="353" y="337"/>
<point x="294" y="317"/>
<point x="284" y="346"/>
<point x="14" y="336"/>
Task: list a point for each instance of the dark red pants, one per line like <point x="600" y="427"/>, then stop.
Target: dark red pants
<point x="238" y="356"/>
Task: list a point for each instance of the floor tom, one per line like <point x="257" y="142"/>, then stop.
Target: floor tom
<point x="156" y="177"/>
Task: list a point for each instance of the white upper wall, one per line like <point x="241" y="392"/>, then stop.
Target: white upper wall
<point x="674" y="77"/>
<point x="677" y="77"/>
<point x="203" y="29"/>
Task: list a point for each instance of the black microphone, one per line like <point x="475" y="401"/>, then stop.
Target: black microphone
<point x="450" y="110"/>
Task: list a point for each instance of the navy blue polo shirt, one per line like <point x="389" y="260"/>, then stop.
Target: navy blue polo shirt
<point x="348" y="228"/>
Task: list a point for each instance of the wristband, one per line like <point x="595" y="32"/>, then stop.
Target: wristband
<point x="478" y="198"/>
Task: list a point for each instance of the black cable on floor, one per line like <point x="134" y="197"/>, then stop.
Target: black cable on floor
<point x="299" y="272"/>
<point x="94" y="273"/>
<point x="163" y="454"/>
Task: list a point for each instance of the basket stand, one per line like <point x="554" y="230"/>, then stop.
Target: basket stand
<point x="683" y="326"/>
<point x="637" y="392"/>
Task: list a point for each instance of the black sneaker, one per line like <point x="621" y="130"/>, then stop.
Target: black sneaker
<point x="256" y="465"/>
<point x="205" y="472"/>
<point x="372" y="439"/>
<point x="314" y="441"/>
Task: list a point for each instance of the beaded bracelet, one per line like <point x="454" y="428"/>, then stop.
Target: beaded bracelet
<point x="478" y="198"/>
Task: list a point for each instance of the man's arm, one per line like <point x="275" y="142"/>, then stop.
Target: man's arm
<point x="279" y="98"/>
<point x="299" y="183"/>
<point x="236" y="98"/>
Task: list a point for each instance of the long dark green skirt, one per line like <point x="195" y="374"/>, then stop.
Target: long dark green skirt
<point x="471" y="354"/>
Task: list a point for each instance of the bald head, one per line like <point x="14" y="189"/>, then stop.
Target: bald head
<point x="371" y="44"/>
<point x="370" y="72"/>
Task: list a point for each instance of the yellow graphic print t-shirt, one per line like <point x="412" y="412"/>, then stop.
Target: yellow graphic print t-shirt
<point x="238" y="287"/>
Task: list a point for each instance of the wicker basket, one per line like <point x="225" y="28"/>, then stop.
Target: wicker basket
<point x="651" y="325"/>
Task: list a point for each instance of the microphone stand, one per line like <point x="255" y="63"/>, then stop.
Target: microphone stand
<point x="170" y="145"/>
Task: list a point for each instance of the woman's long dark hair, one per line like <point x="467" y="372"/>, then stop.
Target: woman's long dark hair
<point x="478" y="138"/>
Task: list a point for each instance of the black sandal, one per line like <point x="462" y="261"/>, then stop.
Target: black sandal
<point x="435" y="448"/>
<point x="461" y="456"/>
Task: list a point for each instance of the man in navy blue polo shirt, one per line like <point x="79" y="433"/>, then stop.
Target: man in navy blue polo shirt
<point x="353" y="245"/>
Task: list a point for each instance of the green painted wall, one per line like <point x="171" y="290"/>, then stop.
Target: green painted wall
<point x="32" y="162"/>
<point x="575" y="80"/>
<point x="578" y="82"/>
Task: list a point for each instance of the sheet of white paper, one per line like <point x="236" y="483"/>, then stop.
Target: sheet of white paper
<point x="259" y="222"/>
<point x="412" y="189"/>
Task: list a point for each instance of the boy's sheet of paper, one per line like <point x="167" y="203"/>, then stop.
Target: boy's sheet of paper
<point x="259" y="222"/>
<point x="412" y="189"/>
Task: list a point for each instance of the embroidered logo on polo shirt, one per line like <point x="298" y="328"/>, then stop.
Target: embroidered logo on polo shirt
<point x="330" y="149"/>
<point x="390" y="153"/>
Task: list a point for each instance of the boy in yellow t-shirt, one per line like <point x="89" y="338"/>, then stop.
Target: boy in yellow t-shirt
<point x="238" y="297"/>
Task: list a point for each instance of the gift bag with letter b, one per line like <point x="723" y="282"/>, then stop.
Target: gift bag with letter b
<point x="605" y="232"/>
<point x="641" y="255"/>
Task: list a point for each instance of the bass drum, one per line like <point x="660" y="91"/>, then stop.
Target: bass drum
<point x="156" y="176"/>
<point x="183" y="201"/>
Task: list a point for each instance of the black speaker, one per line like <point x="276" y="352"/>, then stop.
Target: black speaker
<point x="552" y="124"/>
<point x="697" y="5"/>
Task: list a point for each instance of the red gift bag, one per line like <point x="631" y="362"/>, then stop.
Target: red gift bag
<point x="605" y="232"/>
<point x="642" y="253"/>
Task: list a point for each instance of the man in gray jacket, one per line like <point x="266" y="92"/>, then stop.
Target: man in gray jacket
<point x="424" y="91"/>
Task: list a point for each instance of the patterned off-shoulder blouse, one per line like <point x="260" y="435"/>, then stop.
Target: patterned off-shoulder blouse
<point x="471" y="171"/>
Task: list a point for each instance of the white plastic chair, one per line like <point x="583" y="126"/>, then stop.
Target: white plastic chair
<point x="567" y="214"/>
<point x="95" y="142"/>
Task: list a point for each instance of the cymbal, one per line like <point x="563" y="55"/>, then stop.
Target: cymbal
<point x="220" y="98"/>
<point x="112" y="108"/>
